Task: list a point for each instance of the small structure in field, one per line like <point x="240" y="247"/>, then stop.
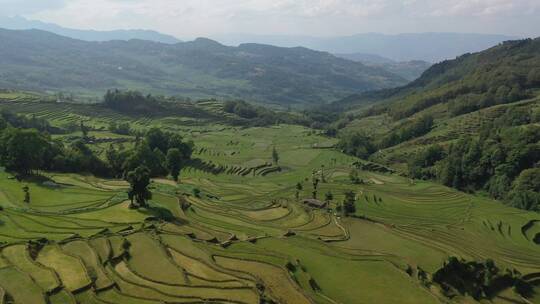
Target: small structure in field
<point x="313" y="203"/>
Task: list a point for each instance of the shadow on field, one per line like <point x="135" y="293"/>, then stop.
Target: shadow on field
<point x="155" y="212"/>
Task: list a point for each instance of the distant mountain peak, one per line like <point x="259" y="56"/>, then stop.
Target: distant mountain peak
<point x="21" y="23"/>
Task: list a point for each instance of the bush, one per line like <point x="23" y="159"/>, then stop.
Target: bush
<point x="481" y="280"/>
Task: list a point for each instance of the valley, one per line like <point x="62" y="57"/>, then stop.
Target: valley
<point x="269" y="152"/>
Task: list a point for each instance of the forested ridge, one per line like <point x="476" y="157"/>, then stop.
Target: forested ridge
<point x="437" y="128"/>
<point x="42" y="61"/>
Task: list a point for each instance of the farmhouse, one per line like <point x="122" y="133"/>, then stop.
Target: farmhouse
<point x="313" y="203"/>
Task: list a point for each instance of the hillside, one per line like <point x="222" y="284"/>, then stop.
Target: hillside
<point x="470" y="123"/>
<point x="41" y="61"/>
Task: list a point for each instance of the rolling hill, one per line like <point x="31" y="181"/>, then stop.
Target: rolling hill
<point x="42" y="61"/>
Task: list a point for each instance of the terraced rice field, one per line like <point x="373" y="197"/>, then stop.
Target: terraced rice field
<point x="246" y="238"/>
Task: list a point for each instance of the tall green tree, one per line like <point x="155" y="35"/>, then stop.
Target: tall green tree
<point x="275" y="156"/>
<point x="354" y="176"/>
<point x="349" y="203"/>
<point x="328" y="196"/>
<point x="157" y="139"/>
<point x="174" y="162"/>
<point x="139" y="180"/>
<point x="299" y="188"/>
<point x="84" y="130"/>
<point x="26" y="191"/>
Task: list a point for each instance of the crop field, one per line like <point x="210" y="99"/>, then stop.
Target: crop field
<point x="245" y="237"/>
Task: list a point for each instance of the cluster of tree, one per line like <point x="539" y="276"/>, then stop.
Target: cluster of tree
<point x="130" y="102"/>
<point x="159" y="152"/>
<point x="349" y="203"/>
<point x="503" y="161"/>
<point x="120" y="128"/>
<point x="479" y="280"/>
<point x="260" y="116"/>
<point x="137" y="103"/>
<point x="363" y="146"/>
<point x="354" y="176"/>
<point x="407" y="131"/>
<point x="357" y="144"/>
<point x="348" y="206"/>
<point x="326" y="117"/>
<point x="471" y="102"/>
<point x="27" y="151"/>
<point x="23" y="121"/>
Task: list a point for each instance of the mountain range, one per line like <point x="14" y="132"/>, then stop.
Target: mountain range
<point x="21" y="23"/>
<point x="43" y="61"/>
<point x="431" y="47"/>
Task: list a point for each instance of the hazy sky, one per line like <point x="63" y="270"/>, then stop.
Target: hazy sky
<point x="192" y="18"/>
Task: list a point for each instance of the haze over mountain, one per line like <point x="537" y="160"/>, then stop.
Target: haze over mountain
<point x="39" y="60"/>
<point x="409" y="70"/>
<point x="21" y="23"/>
<point x="432" y="47"/>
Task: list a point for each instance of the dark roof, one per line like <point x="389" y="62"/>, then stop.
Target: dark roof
<point x="314" y="202"/>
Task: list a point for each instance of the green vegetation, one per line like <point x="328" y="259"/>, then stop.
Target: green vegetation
<point x="139" y="180"/>
<point x="480" y="280"/>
